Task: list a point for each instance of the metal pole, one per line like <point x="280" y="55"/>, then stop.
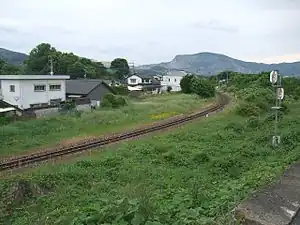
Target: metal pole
<point x="276" y="137"/>
<point x="276" y="113"/>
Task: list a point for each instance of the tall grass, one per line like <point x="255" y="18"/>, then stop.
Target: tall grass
<point x="193" y="175"/>
<point x="23" y="135"/>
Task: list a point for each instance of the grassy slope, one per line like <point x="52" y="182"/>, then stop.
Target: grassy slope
<point x="20" y="136"/>
<point x="192" y="175"/>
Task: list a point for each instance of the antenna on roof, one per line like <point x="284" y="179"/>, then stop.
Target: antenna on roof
<point x="51" y="66"/>
<point x="131" y="65"/>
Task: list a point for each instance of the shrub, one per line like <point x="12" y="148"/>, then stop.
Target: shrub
<point x="121" y="90"/>
<point x="186" y="84"/>
<point x="247" y="109"/>
<point x="202" y="87"/>
<point x="111" y="101"/>
<point x="235" y="126"/>
<point x="253" y="122"/>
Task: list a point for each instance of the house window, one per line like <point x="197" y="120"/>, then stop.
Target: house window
<point x="12" y="88"/>
<point x="39" y="87"/>
<point x="169" y="79"/>
<point x="132" y="80"/>
<point x="175" y="80"/>
<point x="55" y="87"/>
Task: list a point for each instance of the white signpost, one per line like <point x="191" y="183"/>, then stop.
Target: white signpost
<point x="273" y="77"/>
<point x="279" y="92"/>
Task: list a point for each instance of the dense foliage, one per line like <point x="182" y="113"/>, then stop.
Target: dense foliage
<point x="121" y="68"/>
<point x="186" y="84"/>
<point x="113" y="101"/>
<point x="198" y="85"/>
<point x="38" y="62"/>
<point x="256" y="93"/>
<point x="8" y="69"/>
<point x="121" y="89"/>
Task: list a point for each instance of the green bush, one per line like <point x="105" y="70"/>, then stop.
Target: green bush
<point x="186" y="84"/>
<point x="235" y="126"/>
<point x="248" y="109"/>
<point x="202" y="87"/>
<point x="121" y="90"/>
<point x="112" y="101"/>
<point x="253" y="122"/>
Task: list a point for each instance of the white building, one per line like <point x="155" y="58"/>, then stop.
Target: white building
<point x="172" y="79"/>
<point x="30" y="91"/>
<point x="143" y="82"/>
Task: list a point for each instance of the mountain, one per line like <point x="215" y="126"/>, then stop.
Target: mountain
<point x="207" y="63"/>
<point x="11" y="57"/>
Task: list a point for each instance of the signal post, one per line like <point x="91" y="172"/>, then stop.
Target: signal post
<point x="275" y="80"/>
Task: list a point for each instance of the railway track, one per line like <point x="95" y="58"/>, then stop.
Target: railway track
<point x="19" y="162"/>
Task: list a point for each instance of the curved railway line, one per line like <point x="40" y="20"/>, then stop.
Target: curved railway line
<point x="22" y="161"/>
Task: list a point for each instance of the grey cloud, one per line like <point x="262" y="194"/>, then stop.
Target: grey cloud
<point x="156" y="31"/>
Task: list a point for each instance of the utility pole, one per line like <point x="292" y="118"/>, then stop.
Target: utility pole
<point x="132" y="68"/>
<point x="51" y="66"/>
<point x="275" y="79"/>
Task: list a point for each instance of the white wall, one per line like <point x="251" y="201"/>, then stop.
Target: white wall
<point x="172" y="81"/>
<point x="137" y="79"/>
<point x="25" y="95"/>
<point x="11" y="97"/>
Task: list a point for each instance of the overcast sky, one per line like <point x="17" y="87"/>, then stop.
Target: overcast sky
<point x="152" y="31"/>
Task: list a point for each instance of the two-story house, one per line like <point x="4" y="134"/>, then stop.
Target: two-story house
<point x="33" y="91"/>
<point x="139" y="82"/>
<point x="172" y="79"/>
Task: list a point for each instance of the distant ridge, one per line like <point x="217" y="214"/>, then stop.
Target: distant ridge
<point x="11" y="57"/>
<point x="207" y="63"/>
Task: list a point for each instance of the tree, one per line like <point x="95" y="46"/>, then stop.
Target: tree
<point x="202" y="87"/>
<point x="7" y="69"/>
<point x="63" y="63"/>
<point x="186" y="84"/>
<point x="121" y="67"/>
<point x="38" y="60"/>
<point x="76" y="70"/>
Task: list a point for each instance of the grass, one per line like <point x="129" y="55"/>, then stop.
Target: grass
<point x="193" y="175"/>
<point x="21" y="136"/>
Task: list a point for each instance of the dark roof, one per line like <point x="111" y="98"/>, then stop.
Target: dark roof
<point x="145" y="87"/>
<point x="84" y="86"/>
<point x="145" y="74"/>
<point x="156" y="82"/>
